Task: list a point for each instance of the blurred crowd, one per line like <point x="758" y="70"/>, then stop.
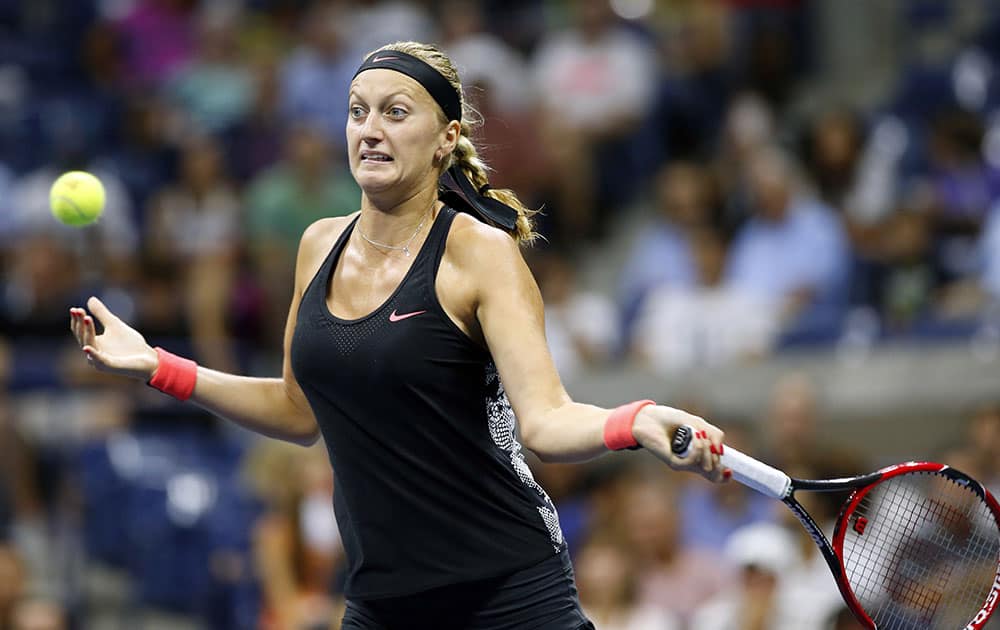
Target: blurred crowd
<point x="754" y="219"/>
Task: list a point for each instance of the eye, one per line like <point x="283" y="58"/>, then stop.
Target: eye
<point x="397" y="112"/>
<point x="356" y="112"/>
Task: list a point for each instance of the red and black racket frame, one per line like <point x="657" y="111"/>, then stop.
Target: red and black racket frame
<point x="833" y="552"/>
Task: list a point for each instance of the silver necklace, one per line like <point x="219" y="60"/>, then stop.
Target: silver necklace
<point x="405" y="247"/>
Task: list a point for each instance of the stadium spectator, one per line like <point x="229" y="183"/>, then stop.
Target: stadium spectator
<point x="308" y="183"/>
<point x="893" y="270"/>
<point x="374" y="23"/>
<point x="696" y="83"/>
<point x="905" y="279"/>
<point x="315" y="76"/>
<point x="791" y="252"/>
<point x="762" y="553"/>
<point x="157" y="38"/>
<point x="685" y="327"/>
<point x="145" y="156"/>
<point x="580" y="325"/>
<point x="965" y="188"/>
<point x="214" y="88"/>
<point x="254" y="144"/>
<point x="297" y="547"/>
<point x="834" y="141"/>
<point x="670" y="577"/>
<point x="662" y="255"/>
<point x="608" y="588"/>
<point x="43" y="272"/>
<point x="792" y="422"/>
<point x="595" y="80"/>
<point x="482" y="58"/>
<point x="748" y="128"/>
<point x="194" y="224"/>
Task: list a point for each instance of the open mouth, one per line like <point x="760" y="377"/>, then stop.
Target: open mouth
<point x="374" y="157"/>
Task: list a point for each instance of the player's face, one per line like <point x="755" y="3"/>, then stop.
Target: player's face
<point x="395" y="135"/>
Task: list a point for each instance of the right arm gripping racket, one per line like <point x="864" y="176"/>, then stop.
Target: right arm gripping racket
<point x="916" y="545"/>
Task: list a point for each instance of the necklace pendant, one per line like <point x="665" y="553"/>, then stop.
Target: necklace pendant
<point x="406" y="250"/>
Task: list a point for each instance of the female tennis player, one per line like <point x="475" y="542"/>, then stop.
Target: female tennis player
<point x="414" y="339"/>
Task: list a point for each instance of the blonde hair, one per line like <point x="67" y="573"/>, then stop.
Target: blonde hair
<point x="465" y="155"/>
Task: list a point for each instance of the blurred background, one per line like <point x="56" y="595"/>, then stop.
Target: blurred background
<point x="779" y="214"/>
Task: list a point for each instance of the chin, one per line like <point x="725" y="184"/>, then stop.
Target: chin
<point x="374" y="182"/>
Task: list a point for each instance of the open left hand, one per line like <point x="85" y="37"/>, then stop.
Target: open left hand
<point x="120" y="349"/>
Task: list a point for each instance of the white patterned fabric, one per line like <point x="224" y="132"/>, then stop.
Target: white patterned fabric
<point x="503" y="427"/>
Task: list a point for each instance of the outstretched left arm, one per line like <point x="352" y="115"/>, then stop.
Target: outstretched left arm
<point x="508" y="306"/>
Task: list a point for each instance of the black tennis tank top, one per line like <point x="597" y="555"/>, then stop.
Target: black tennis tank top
<point x="431" y="485"/>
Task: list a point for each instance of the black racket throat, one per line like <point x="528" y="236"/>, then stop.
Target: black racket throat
<point x="835" y="485"/>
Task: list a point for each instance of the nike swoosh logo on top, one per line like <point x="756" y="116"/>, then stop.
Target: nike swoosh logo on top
<point x="396" y="318"/>
<point x="378" y="59"/>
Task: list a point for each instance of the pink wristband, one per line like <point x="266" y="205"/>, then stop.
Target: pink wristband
<point x="175" y="375"/>
<point x="618" y="428"/>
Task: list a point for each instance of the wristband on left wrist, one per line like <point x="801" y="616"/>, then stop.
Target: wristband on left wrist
<point x="174" y="375"/>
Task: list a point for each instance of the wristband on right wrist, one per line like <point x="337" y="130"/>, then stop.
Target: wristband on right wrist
<point x="618" y="427"/>
<point x="174" y="375"/>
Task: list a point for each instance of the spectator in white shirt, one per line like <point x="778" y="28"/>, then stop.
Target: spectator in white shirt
<point x="596" y="81"/>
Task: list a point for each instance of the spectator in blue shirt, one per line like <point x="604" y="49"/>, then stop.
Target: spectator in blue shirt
<point x="792" y="249"/>
<point x="662" y="255"/>
<point x="316" y="77"/>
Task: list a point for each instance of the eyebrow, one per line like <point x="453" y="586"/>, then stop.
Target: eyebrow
<point x="407" y="92"/>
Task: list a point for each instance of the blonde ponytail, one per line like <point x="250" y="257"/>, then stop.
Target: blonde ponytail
<point x="465" y="155"/>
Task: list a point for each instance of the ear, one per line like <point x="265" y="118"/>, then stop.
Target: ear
<point x="449" y="139"/>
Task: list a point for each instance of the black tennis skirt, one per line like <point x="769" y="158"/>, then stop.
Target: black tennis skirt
<point x="542" y="596"/>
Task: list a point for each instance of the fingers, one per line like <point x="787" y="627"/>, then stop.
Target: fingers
<point x="74" y="326"/>
<point x="89" y="335"/>
<point x="78" y="319"/>
<point x="95" y="357"/>
<point x="705" y="450"/>
<point x="82" y="326"/>
<point x="708" y="440"/>
<point x="101" y="312"/>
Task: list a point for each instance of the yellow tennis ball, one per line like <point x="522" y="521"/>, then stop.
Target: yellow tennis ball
<point x="77" y="198"/>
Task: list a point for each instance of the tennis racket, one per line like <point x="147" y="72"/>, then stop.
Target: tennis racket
<point x="916" y="545"/>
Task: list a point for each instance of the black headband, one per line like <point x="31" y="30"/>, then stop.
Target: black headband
<point x="443" y="93"/>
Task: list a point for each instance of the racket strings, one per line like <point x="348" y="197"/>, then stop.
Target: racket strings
<point x="924" y="553"/>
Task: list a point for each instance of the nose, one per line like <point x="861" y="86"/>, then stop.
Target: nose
<point x="371" y="130"/>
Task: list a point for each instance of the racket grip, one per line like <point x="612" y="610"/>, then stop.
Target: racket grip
<point x="752" y="473"/>
<point x="755" y="474"/>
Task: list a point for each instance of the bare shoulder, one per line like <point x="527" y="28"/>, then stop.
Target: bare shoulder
<point x="474" y="246"/>
<point x="321" y="231"/>
<point x="316" y="242"/>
